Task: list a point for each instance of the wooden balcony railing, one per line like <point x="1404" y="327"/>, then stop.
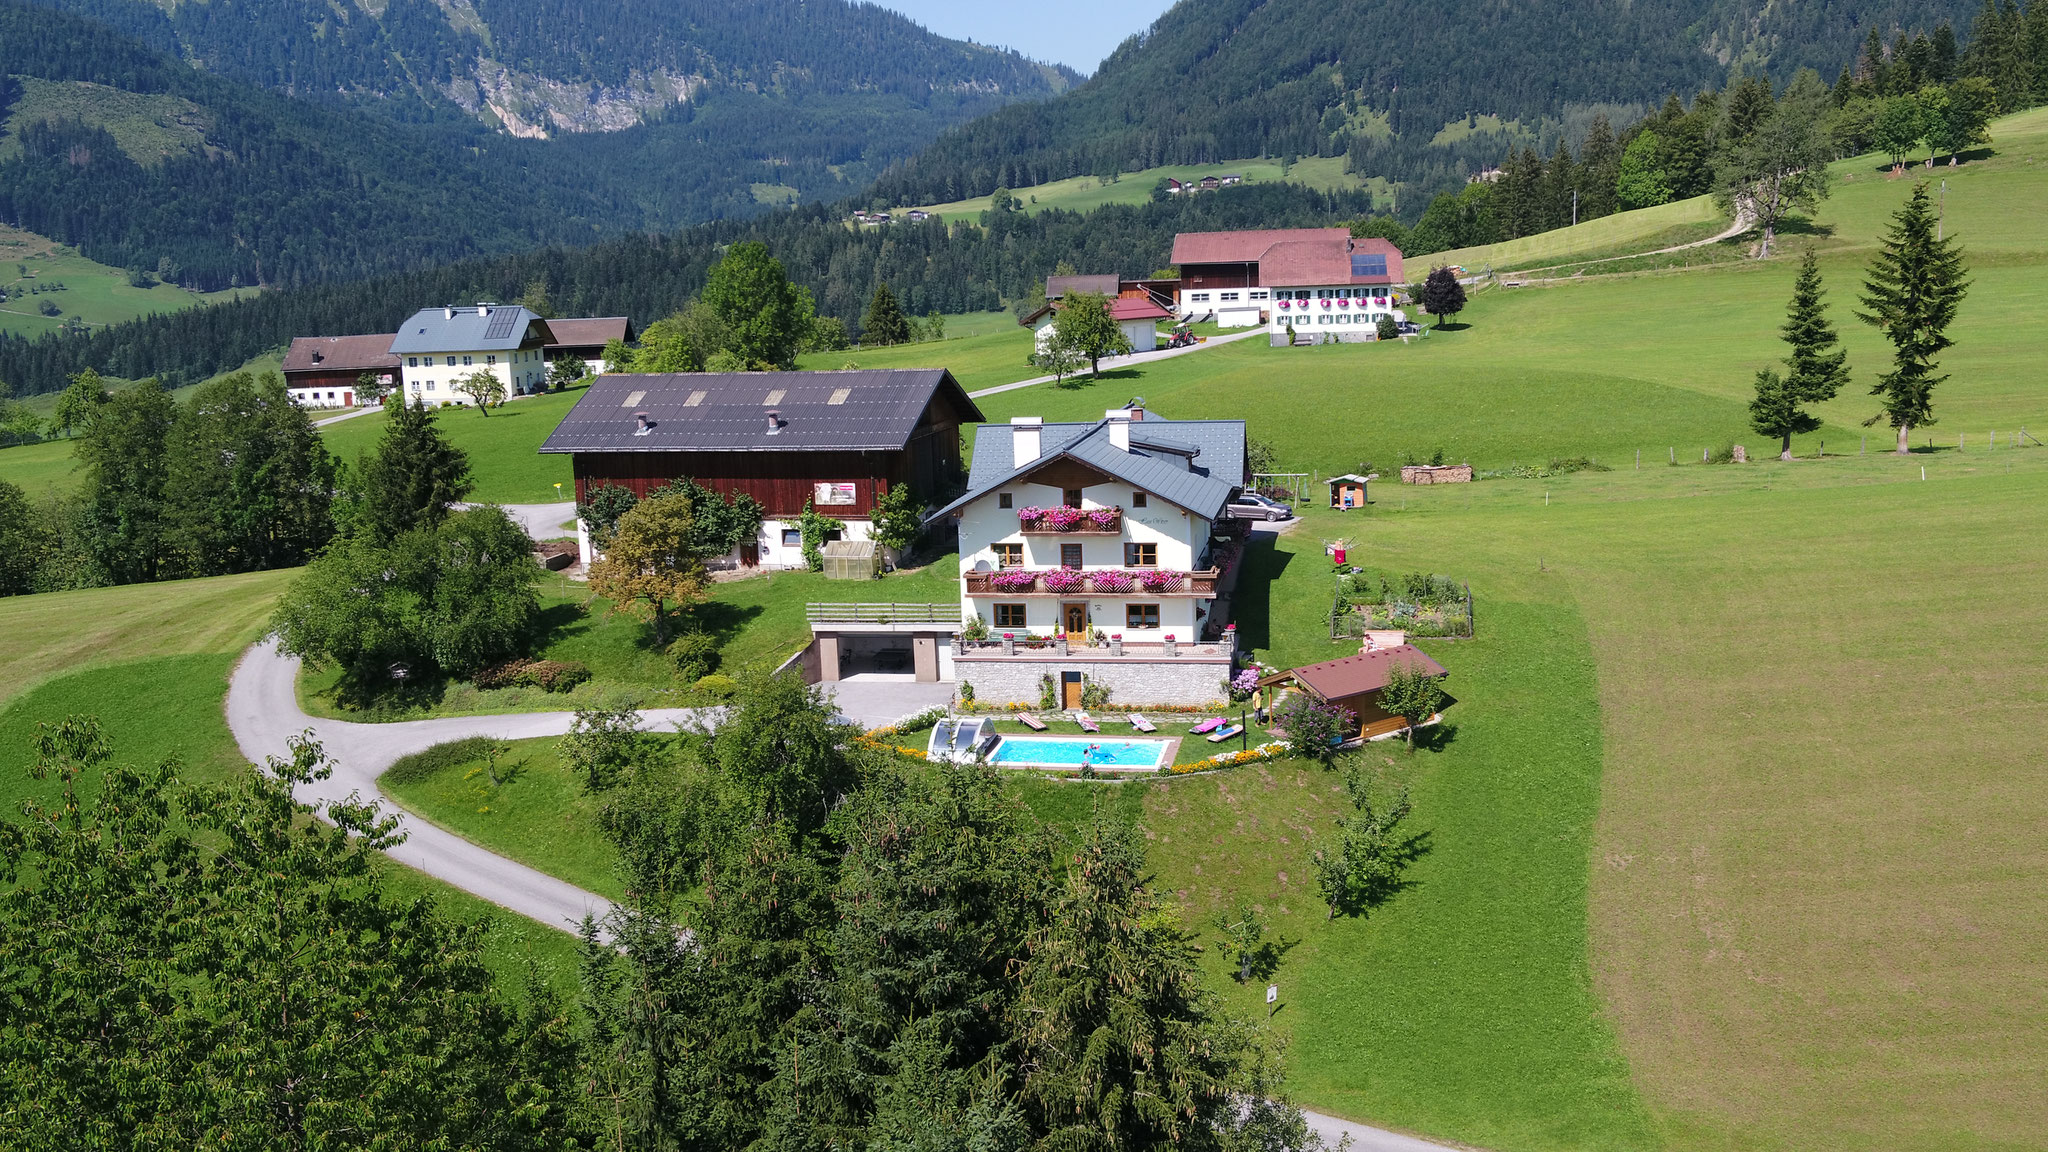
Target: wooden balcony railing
<point x="882" y="613"/>
<point x="1130" y="583"/>
<point x="1071" y="522"/>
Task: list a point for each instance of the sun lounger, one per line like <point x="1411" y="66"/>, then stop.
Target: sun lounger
<point x="1140" y="723"/>
<point x="1087" y="725"/>
<point x="1208" y="725"/>
<point x="1225" y="733"/>
<point x="1030" y="721"/>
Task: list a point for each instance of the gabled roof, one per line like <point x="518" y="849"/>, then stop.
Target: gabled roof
<point x="477" y="327"/>
<point x="1245" y="247"/>
<point x="590" y="331"/>
<point x="1121" y="309"/>
<point x="1356" y="675"/>
<point x="1105" y="285"/>
<point x="1306" y="263"/>
<point x="1202" y="486"/>
<point x="339" y="353"/>
<point x="860" y="410"/>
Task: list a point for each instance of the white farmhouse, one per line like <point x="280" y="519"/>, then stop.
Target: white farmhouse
<point x="1137" y="317"/>
<point x="439" y="346"/>
<point x="1322" y="283"/>
<point x="1099" y="551"/>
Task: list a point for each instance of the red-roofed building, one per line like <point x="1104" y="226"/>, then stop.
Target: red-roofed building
<point x="1319" y="282"/>
<point x="321" y="371"/>
<point x="1137" y="316"/>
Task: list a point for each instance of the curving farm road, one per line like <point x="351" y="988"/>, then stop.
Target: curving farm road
<point x="263" y="713"/>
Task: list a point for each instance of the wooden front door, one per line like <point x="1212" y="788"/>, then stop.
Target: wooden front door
<point x="1070" y="689"/>
<point x="1075" y="616"/>
<point x="750" y="555"/>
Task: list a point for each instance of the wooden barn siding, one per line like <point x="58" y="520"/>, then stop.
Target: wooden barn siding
<point x="1201" y="277"/>
<point x="332" y="378"/>
<point x="781" y="481"/>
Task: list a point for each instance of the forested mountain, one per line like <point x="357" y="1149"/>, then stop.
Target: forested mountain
<point x="546" y="67"/>
<point x="931" y="267"/>
<point x="1422" y="96"/>
<point x="139" y="159"/>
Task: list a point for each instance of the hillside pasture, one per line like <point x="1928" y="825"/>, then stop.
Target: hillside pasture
<point x="92" y="292"/>
<point x="503" y="447"/>
<point x="1084" y="193"/>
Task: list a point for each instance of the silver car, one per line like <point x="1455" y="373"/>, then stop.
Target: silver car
<point x="1252" y="506"/>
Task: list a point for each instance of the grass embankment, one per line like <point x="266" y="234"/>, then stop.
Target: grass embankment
<point x="152" y="663"/>
<point x="759" y="623"/>
<point x="503" y="447"/>
<point x="1084" y="193"/>
<point x="993" y="353"/>
<point x="93" y="293"/>
<point x="1622" y="233"/>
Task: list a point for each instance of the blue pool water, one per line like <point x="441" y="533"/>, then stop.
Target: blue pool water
<point x="1068" y="751"/>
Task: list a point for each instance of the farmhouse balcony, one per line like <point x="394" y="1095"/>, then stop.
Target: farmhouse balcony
<point x="1138" y="582"/>
<point x="1070" y="521"/>
<point x="1030" y="646"/>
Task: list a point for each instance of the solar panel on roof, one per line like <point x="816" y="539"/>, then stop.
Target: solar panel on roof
<point x="1368" y="264"/>
<point x="502" y="323"/>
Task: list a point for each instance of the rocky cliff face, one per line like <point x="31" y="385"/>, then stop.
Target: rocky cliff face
<point x="536" y="107"/>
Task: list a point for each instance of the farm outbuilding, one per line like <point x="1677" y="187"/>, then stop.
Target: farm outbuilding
<point x="1353" y="683"/>
<point x="1348" y="490"/>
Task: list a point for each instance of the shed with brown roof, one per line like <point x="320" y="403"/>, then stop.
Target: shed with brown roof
<point x="584" y="338"/>
<point x="1353" y="683"/>
<point x="321" y="371"/>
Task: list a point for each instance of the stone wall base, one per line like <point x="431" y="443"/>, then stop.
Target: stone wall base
<point x="1184" y="682"/>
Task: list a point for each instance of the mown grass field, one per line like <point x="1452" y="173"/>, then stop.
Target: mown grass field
<point x="503" y="447"/>
<point x="93" y="292"/>
<point x="1083" y="193"/>
<point x="1608" y="236"/>
<point x="992" y="351"/>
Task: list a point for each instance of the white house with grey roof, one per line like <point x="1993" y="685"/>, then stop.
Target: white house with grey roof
<point x="1100" y="551"/>
<point x="439" y="346"/>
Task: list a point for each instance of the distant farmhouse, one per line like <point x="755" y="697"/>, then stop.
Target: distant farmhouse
<point x="1137" y="306"/>
<point x="1317" y="282"/>
<point x="1205" y="184"/>
<point x="832" y="441"/>
<point x="322" y="371"/>
<point x="439" y="346"/>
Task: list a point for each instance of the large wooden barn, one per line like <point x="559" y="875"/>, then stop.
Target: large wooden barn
<point x="836" y="441"/>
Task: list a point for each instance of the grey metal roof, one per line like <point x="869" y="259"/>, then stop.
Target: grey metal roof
<point x="1203" y="486"/>
<point x="475" y="328"/>
<point x="857" y="410"/>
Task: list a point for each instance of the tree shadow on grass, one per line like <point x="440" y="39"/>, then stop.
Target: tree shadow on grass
<point x="1381" y="889"/>
<point x="1453" y="326"/>
<point x="559" y="622"/>
<point x="1802" y="226"/>
<point x="1435" y="737"/>
<point x="722" y="620"/>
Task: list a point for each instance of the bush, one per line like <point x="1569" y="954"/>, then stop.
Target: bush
<point x="422" y="764"/>
<point x="695" y="655"/>
<point x="502" y="675"/>
<point x="717" y="685"/>
<point x="554" y="675"/>
<point x="1094" y="693"/>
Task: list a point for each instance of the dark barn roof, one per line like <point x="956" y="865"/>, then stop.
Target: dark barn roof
<point x="858" y="410"/>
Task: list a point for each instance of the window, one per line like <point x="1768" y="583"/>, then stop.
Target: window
<point x="1255" y="295"/>
<point x="412" y="361"/>
<point x="451" y="361"/>
<point x="492" y="361"/>
<point x="1137" y="499"/>
<point x="1229" y="296"/>
<point x="1141" y="555"/>
<point x="1071" y="497"/>
<point x="1070" y="555"/>
<point x="1010" y="555"/>
<point x="430" y="385"/>
<point x="1002" y="499"/>
<point x="1009" y="616"/>
<point x="1141" y="615"/>
<point x="468" y="360"/>
<point x="792" y="538"/>
<point x="1199" y="297"/>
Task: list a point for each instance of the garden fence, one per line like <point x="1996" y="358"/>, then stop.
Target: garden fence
<point x="1348" y="624"/>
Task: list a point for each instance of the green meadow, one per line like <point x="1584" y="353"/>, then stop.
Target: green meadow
<point x="503" y="446"/>
<point x="1083" y="193"/>
<point x="1733" y="838"/>
<point x="32" y="266"/>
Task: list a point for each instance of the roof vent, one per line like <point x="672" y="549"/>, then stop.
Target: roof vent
<point x="774" y="421"/>
<point x="774" y="396"/>
<point x="695" y="399"/>
<point x="839" y="395"/>
<point x="640" y="425"/>
<point x="633" y="399"/>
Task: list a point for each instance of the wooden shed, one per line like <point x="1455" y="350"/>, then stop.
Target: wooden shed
<point x="1348" y="490"/>
<point x="1353" y="683"/>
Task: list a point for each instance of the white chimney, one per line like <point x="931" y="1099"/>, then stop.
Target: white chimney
<point x="1027" y="433"/>
<point x="1119" y="428"/>
<point x="448" y="312"/>
<point x="483" y="309"/>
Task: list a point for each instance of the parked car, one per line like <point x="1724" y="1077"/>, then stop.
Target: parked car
<point x="1252" y="506"/>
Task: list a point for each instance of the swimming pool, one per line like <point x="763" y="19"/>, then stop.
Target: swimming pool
<point x="1069" y="752"/>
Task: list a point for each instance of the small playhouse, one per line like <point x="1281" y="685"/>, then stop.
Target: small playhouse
<point x="1348" y="490"/>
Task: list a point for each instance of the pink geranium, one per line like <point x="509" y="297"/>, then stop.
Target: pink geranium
<point x="1063" y="519"/>
<point x="1013" y="579"/>
<point x="1027" y="515"/>
<point x="1112" y="581"/>
<point x="1160" y="579"/>
<point x="1063" y="580"/>
<point x="1103" y="517"/>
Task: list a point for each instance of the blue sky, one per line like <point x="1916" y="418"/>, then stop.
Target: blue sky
<point x="1077" y="33"/>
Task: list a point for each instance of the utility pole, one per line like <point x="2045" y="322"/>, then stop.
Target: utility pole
<point x="1575" y="204"/>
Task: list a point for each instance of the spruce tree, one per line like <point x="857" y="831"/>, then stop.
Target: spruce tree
<point x="884" y="322"/>
<point x="1815" y="371"/>
<point x="414" y="477"/>
<point x="1599" y="166"/>
<point x="1911" y="294"/>
<point x="1560" y="182"/>
<point x="124" y="450"/>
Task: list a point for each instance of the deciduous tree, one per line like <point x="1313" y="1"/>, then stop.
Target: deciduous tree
<point x="124" y="450"/>
<point x="250" y="481"/>
<point x="652" y="566"/>
<point x="20" y="541"/>
<point x="484" y="388"/>
<point x="1441" y="296"/>
<point x="1639" y="181"/>
<point x="752" y="295"/>
<point x="1083" y="320"/>
<point x="1779" y="166"/>
<point x="1911" y="293"/>
<point x="1412" y="693"/>
<point x="1357" y="869"/>
<point x="1898" y="127"/>
<point x="82" y="398"/>
<point x="1059" y="356"/>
